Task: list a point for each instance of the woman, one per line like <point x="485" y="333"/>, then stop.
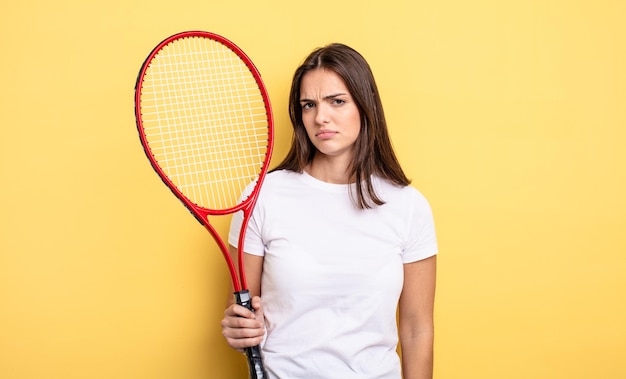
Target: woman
<point x="338" y="240"/>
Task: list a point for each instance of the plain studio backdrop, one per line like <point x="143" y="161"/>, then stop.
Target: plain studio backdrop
<point x="510" y="116"/>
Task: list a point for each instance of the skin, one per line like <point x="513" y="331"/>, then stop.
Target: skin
<point x="416" y="327"/>
<point x="332" y="121"/>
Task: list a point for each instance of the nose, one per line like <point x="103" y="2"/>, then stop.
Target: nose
<point x="321" y="114"/>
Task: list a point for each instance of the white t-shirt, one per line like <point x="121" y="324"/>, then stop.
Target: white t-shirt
<point x="333" y="273"/>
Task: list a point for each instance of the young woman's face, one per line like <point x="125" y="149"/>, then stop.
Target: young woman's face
<point x="330" y="115"/>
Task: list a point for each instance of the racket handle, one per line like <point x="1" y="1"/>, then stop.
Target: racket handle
<point x="255" y="362"/>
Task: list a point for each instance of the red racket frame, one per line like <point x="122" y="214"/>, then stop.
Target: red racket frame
<point x="201" y="213"/>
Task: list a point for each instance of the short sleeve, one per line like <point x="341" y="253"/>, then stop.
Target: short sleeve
<point x="421" y="238"/>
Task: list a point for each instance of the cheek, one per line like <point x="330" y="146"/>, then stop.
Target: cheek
<point x="355" y="122"/>
<point x="308" y="125"/>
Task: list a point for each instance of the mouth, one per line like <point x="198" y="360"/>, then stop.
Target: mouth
<point x="325" y="133"/>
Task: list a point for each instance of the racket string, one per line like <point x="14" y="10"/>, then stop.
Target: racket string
<point x="205" y="120"/>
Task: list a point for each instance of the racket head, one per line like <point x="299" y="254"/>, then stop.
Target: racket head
<point x="205" y="121"/>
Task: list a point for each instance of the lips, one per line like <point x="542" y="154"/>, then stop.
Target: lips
<point x="324" y="134"/>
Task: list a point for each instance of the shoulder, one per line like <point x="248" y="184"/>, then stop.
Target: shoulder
<point x="281" y="183"/>
<point x="281" y="177"/>
<point x="398" y="194"/>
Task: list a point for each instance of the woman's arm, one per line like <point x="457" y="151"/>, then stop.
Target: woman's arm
<point x="241" y="327"/>
<point x="416" y="326"/>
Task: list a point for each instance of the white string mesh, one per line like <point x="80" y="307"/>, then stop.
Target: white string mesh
<point x="205" y="120"/>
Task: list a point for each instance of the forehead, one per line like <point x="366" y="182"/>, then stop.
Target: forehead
<point x="322" y="81"/>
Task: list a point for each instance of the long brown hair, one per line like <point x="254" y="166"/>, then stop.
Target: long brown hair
<point x="373" y="149"/>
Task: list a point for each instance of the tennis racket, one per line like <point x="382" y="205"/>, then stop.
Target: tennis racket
<point x="205" y="123"/>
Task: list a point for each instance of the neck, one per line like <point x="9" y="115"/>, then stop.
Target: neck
<point x="329" y="170"/>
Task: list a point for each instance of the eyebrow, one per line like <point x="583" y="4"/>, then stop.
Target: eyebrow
<point x="332" y="96"/>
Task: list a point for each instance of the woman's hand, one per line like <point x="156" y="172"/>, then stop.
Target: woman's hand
<point x="243" y="328"/>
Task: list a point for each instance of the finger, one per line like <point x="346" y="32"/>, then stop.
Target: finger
<point x="242" y="333"/>
<point x="241" y="337"/>
<point x="258" y="308"/>
<point x="256" y="303"/>
<point x="236" y="322"/>
<point x="239" y="311"/>
<point x="241" y="344"/>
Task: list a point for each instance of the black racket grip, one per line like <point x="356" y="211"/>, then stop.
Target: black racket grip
<point x="255" y="362"/>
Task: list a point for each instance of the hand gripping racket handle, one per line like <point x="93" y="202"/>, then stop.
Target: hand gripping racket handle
<point x="255" y="363"/>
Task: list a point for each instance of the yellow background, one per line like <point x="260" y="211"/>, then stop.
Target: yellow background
<point x="509" y="116"/>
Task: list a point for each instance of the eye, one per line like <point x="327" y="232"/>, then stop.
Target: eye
<point x="307" y="105"/>
<point x="338" y="101"/>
